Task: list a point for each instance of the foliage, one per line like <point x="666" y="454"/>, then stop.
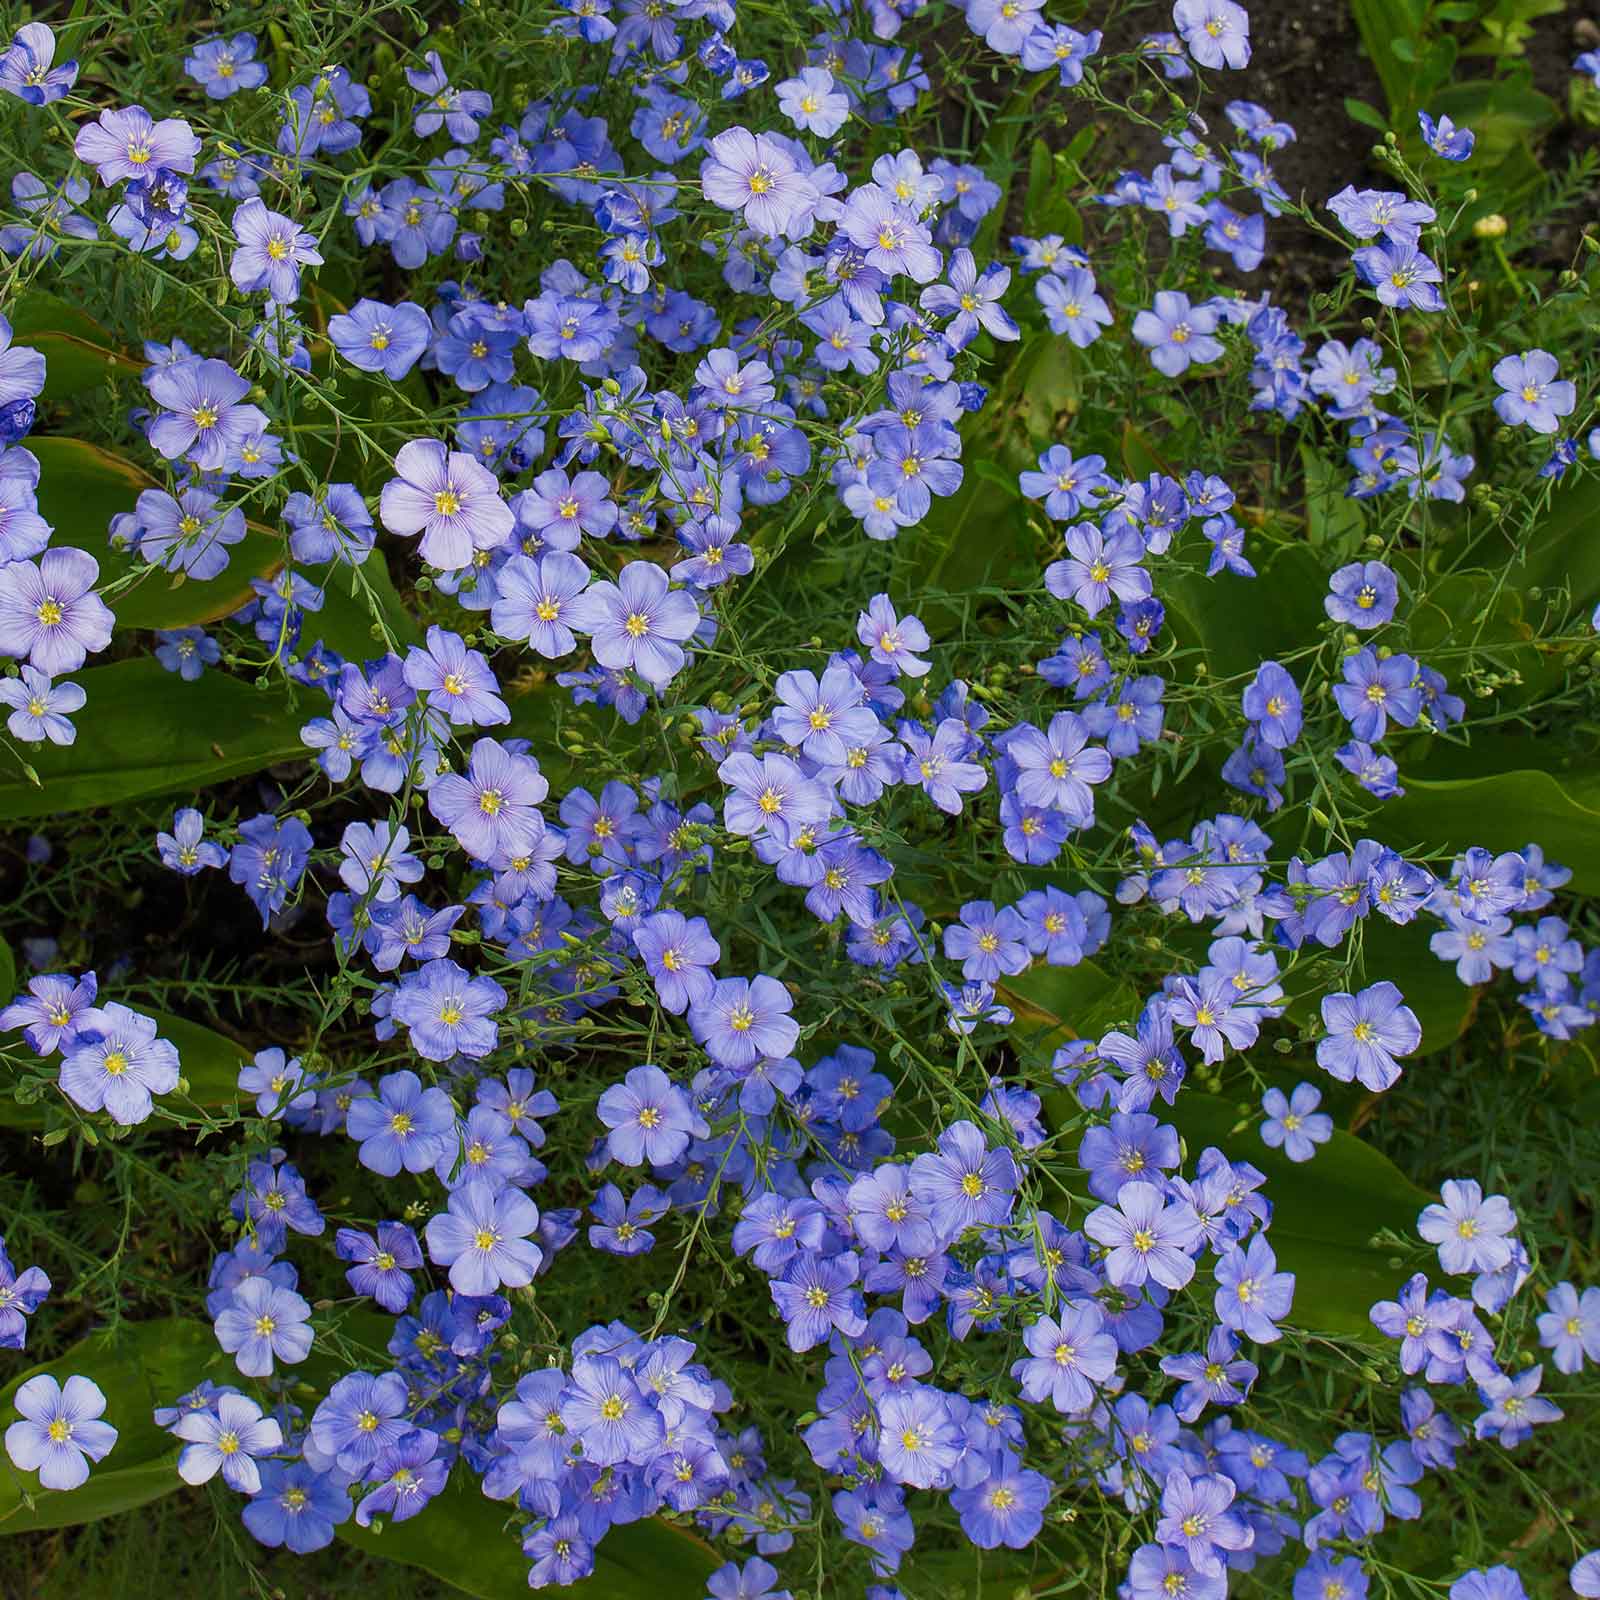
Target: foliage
<point x="513" y="479"/>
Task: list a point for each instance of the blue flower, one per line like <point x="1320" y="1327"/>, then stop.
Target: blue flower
<point x="817" y="1294"/>
<point x="988" y="943"/>
<point x="1362" y="595"/>
<point x="227" y="1440"/>
<point x="484" y="1237"/>
<point x="1158" y="1571"/>
<point x="757" y="1581"/>
<point x="21" y="1294"/>
<point x="649" y="1118"/>
<point x="60" y="1430"/>
<point x="1069" y="1357"/>
<point x="262" y="1322"/>
<point x="269" y="860"/>
<point x="381" y="338"/>
<point x="1293" y="1123"/>
<point x="963" y="1182"/>
<point x="1571" y="1326"/>
<point x="296" y="1506"/>
<point x="1471" y="1230"/>
<point x="607" y="1411"/>
<point x="1272" y="704"/>
<point x="1176" y="333"/>
<point x="402" y="1125"/>
<point x="919" y="1441"/>
<point x="1532" y="394"/>
<point x="447" y="1011"/>
<point x="28" y="70"/>
<point x="1492" y="1583"/>
<point x="1402" y="275"/>
<point x="1377" y="690"/>
<point x="411" y="1473"/>
<point x="1514" y="1408"/>
<point x="742" y="1020"/>
<point x="1251" y="1293"/>
<point x="1366" y="1031"/>
<point x="1195" y="1519"/>
<point x="622" y="1224"/>
<point x="187" y="651"/>
<point x="1146" y="1236"/>
<point x="383" y="1265"/>
<point x="1445" y="139"/>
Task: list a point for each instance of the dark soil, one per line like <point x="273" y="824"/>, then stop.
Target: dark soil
<point x="1306" y="61"/>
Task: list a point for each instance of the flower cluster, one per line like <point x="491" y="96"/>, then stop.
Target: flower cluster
<point x="808" y="922"/>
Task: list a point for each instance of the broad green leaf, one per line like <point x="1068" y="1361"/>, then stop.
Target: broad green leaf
<point x="1054" y="1004"/>
<point x="1562" y="550"/>
<point x="1036" y="202"/>
<point x="81" y="487"/>
<point x="146" y="732"/>
<point x="1368" y="116"/>
<point x="208" y="1060"/>
<point x="138" y="1367"/>
<point x="1333" y="519"/>
<point x="1229" y="617"/>
<point x="475" y="1545"/>
<point x="354" y="599"/>
<point x="1326" y="1211"/>
<point x="8" y="973"/>
<point x="1046" y="208"/>
<point x="1140" y="455"/>
<point x="79" y="354"/>
<point x="1045" y="380"/>
<point x="974" y="539"/>
<point x="1501" y="811"/>
<point x="1442" y="1004"/>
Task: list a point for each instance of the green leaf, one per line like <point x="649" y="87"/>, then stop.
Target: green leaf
<point x="138" y="1367"/>
<point x="1045" y="380"/>
<point x="1367" y="116"/>
<point x="1442" y="1004"/>
<point x="8" y="973"/>
<point x="1502" y="811"/>
<point x="1381" y="23"/>
<point x="1140" y="455"/>
<point x="81" y="487"/>
<point x="79" y="354"/>
<point x="1054" y="1004"/>
<point x="971" y="540"/>
<point x="475" y="1545"/>
<point x="1326" y="1211"/>
<point x="1562" y="550"/>
<point x="1333" y="519"/>
<point x="355" y="598"/>
<point x="208" y="1060"/>
<point x="1046" y="208"/>
<point x="146" y="732"/>
<point x="1227" y="617"/>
